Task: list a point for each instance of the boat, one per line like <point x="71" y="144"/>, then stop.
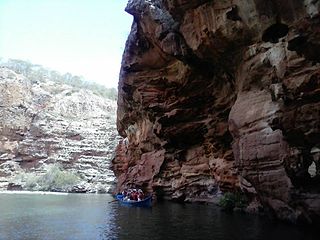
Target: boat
<point x="146" y="202"/>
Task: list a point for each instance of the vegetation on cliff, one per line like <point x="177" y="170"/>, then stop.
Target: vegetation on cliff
<point x="230" y="201"/>
<point x="37" y="73"/>
<point x="55" y="179"/>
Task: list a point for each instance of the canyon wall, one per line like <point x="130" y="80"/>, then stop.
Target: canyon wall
<point x="45" y="123"/>
<point x="218" y="96"/>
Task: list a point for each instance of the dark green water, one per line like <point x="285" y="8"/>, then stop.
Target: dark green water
<point x="87" y="217"/>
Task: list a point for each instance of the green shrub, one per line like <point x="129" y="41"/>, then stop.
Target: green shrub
<point x="31" y="181"/>
<point x="229" y="201"/>
<point x="55" y="179"/>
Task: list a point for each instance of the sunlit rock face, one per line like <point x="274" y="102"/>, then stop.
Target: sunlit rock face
<point x="47" y="123"/>
<point x="223" y="95"/>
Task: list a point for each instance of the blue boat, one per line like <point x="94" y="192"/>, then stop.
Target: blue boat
<point x="146" y="202"/>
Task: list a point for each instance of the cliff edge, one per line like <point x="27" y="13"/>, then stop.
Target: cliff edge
<point x="223" y="96"/>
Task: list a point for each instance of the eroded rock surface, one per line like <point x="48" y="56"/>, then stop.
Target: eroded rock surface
<point x="223" y="95"/>
<point x="47" y="123"/>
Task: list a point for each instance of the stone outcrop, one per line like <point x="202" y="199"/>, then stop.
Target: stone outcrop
<point x="223" y="96"/>
<point x="45" y="123"/>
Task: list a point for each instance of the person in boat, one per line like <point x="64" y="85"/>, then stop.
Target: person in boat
<point x="133" y="195"/>
<point x="124" y="193"/>
<point x="127" y="195"/>
<point x="140" y="195"/>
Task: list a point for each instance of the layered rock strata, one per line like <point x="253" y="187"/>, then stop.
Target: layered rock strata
<point x="48" y="123"/>
<point x="223" y="95"/>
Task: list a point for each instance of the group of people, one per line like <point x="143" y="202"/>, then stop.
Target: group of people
<point x="133" y="195"/>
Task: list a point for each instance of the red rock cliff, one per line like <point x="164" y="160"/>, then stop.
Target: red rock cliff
<point x="223" y="95"/>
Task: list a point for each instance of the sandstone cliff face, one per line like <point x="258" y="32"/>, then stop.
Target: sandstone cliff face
<point x="223" y="95"/>
<point x="47" y="123"/>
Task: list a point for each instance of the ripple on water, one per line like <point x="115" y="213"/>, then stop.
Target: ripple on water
<point x="84" y="216"/>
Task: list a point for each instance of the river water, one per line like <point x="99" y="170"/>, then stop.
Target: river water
<point x="88" y="217"/>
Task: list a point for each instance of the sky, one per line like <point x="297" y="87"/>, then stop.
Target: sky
<point x="83" y="37"/>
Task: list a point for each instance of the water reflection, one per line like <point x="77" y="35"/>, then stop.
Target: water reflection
<point x="93" y="217"/>
<point x="56" y="217"/>
<point x="175" y="221"/>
